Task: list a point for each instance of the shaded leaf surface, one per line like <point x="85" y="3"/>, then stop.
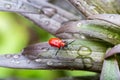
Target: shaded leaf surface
<point x="92" y="7"/>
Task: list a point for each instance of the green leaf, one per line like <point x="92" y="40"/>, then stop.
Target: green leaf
<point x="91" y="28"/>
<point x="110" y="70"/>
<point x="92" y="7"/>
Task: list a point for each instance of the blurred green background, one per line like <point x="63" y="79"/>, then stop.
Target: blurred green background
<point x="16" y="32"/>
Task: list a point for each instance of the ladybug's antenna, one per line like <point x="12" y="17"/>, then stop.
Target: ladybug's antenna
<point x="61" y="47"/>
<point x="71" y="42"/>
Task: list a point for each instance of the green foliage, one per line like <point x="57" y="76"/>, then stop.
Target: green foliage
<point x="14" y="36"/>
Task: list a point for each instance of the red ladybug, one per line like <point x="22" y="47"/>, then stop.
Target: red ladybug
<point x="58" y="43"/>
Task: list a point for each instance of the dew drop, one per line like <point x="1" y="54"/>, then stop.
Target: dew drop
<point x="88" y="62"/>
<point x="77" y="3"/>
<point x="111" y="16"/>
<point x="79" y="24"/>
<point x="85" y="3"/>
<point x="110" y="36"/>
<point x="16" y="56"/>
<point x="13" y="61"/>
<point x="39" y="10"/>
<point x="38" y="60"/>
<point x="28" y="61"/>
<point x="76" y="35"/>
<point x="84" y="50"/>
<point x="8" y="55"/>
<point x="92" y="7"/>
<point x="7" y="6"/>
<point x="59" y="63"/>
<point x="49" y="11"/>
<point x="49" y="63"/>
<point x="47" y="22"/>
<point x="115" y="36"/>
<point x="17" y="62"/>
<point x="82" y="37"/>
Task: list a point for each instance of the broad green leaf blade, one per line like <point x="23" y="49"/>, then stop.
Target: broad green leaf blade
<point x="72" y="51"/>
<point x="91" y="7"/>
<point x="91" y="28"/>
<point x="111" y="18"/>
<point x="110" y="70"/>
<point x="76" y="55"/>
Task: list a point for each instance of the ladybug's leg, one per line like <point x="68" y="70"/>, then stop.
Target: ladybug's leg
<point x="57" y="51"/>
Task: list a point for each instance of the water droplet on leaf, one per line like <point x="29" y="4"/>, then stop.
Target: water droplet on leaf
<point x="49" y="11"/>
<point x="13" y="61"/>
<point x="38" y="60"/>
<point x="28" y="61"/>
<point x="8" y="55"/>
<point x="47" y="22"/>
<point x="111" y="16"/>
<point x="79" y="24"/>
<point x="82" y="37"/>
<point x="7" y="6"/>
<point x="84" y="50"/>
<point x="16" y="56"/>
<point x="88" y="62"/>
<point x="17" y="62"/>
<point x="92" y="7"/>
<point x="49" y="63"/>
<point x="110" y="36"/>
<point x="77" y="3"/>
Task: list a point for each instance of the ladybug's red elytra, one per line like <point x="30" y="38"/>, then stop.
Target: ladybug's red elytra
<point x="58" y="43"/>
